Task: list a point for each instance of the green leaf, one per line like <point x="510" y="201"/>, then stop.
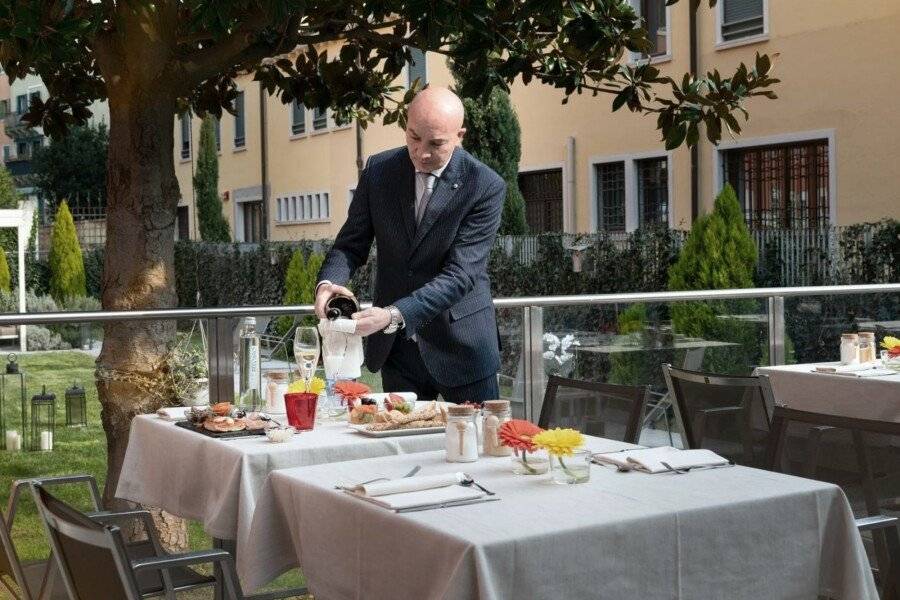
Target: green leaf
<point x="675" y="136"/>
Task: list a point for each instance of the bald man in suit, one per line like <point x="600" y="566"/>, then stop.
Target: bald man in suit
<point x="433" y="211"/>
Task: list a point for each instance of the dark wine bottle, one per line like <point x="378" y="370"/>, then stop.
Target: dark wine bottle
<point x="341" y="306"/>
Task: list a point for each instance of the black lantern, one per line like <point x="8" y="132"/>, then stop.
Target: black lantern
<point x="76" y="406"/>
<point x="10" y="377"/>
<point x="43" y="420"/>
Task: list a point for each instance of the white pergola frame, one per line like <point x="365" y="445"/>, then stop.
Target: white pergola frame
<point x="19" y="219"/>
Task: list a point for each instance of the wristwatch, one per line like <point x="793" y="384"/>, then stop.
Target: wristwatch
<point x="396" y="319"/>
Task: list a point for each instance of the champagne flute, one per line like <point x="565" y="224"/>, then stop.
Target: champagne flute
<point x="306" y="352"/>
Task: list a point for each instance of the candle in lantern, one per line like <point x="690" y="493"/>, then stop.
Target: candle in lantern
<point x="46" y="440"/>
<point x="13" y="440"/>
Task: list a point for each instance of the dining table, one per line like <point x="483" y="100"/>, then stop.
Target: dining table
<point x="728" y="532"/>
<point x="218" y="481"/>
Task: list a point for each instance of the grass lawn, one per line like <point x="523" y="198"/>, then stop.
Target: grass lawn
<point x="76" y="450"/>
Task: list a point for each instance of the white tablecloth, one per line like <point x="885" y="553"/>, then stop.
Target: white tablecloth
<point x="797" y="386"/>
<point x="217" y="482"/>
<point x="731" y="532"/>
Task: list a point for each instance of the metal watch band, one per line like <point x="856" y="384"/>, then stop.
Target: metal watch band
<point x="396" y="319"/>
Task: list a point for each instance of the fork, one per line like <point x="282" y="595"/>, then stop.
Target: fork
<point x="412" y="472"/>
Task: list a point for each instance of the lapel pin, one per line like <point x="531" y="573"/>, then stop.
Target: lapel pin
<point x="455" y="185"/>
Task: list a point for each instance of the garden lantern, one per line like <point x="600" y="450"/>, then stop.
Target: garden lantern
<point x="43" y="420"/>
<point x="11" y="377"/>
<point x="76" y="406"/>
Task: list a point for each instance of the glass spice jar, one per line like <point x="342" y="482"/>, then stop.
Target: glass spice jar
<point x="495" y="414"/>
<point x="461" y="439"/>
<point x="867" y="350"/>
<point x="849" y="349"/>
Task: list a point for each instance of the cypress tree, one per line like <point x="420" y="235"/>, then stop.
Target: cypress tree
<point x="300" y="285"/>
<point x="66" y="265"/>
<point x="493" y="136"/>
<point x="5" y="277"/>
<point x="213" y="226"/>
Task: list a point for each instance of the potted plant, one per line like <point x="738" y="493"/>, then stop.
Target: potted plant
<point x="189" y="372"/>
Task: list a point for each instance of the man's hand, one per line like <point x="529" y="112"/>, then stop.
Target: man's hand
<point x="325" y="292"/>
<point x="371" y="320"/>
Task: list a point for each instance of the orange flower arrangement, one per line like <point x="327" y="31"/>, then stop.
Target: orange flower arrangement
<point x="517" y="434"/>
<point x="349" y="391"/>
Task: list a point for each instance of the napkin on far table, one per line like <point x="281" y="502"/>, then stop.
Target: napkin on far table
<point x="173" y="413"/>
<point x="416" y="492"/>
<point x="649" y="460"/>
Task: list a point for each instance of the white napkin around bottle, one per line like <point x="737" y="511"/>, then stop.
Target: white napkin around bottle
<point x="649" y="460"/>
<point x="416" y="492"/>
<point x="173" y="413"/>
<point x="340" y="340"/>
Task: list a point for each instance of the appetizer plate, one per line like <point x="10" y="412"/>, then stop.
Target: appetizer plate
<point x="361" y="428"/>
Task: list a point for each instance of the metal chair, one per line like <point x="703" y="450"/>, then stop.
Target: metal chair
<point x="601" y="409"/>
<point x="33" y="578"/>
<point x="887" y="540"/>
<point x="724" y="413"/>
<point x="95" y="561"/>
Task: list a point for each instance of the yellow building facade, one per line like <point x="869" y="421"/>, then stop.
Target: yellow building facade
<point x="823" y="153"/>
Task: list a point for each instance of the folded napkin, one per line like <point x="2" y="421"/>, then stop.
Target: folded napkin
<point x="417" y="492"/>
<point x="649" y="460"/>
<point x="173" y="413"/>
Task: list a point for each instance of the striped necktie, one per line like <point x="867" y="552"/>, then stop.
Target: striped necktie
<point x="424" y="188"/>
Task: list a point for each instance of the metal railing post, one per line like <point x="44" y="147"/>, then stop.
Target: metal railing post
<point x="221" y="360"/>
<point x="776" y="330"/>
<point x="533" y="352"/>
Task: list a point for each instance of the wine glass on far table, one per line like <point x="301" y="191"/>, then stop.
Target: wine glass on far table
<point x="306" y="352"/>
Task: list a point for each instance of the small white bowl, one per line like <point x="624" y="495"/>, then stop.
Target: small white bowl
<point x="280" y="435"/>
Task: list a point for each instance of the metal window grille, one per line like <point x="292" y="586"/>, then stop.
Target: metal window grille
<point x="653" y="190"/>
<point x="416" y="68"/>
<point x="742" y="18"/>
<point x="542" y="191"/>
<point x="185" y="135"/>
<point x="239" y="133"/>
<point x="611" y="196"/>
<point x="782" y="186"/>
<point x="298" y="118"/>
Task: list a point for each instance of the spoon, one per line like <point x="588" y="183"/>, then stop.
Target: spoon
<point x="468" y="481"/>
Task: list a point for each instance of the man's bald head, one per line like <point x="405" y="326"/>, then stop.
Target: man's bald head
<point x="434" y="127"/>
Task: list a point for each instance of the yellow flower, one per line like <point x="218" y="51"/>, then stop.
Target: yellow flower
<point x="559" y="442"/>
<point x="890" y="342"/>
<point x="316" y="385"/>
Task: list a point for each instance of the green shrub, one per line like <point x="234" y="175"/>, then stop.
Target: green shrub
<point x="41" y="338"/>
<point x="66" y="265"/>
<point x="300" y="285"/>
<point x="5" y="278"/>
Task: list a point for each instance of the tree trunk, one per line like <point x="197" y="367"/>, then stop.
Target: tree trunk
<point x="138" y="273"/>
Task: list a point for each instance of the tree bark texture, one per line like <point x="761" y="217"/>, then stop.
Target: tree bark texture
<point x="138" y="273"/>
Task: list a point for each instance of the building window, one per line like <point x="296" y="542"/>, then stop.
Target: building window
<point x="611" y="196"/>
<point x="36" y="145"/>
<point x="217" y="129"/>
<point x="252" y="220"/>
<point x="298" y="118"/>
<point x="21" y="149"/>
<point x="182" y="232"/>
<point x="185" y="120"/>
<point x="739" y="19"/>
<point x="543" y="195"/>
<point x="314" y="206"/>
<point x="22" y="103"/>
<point x="653" y="191"/>
<point x="7" y="152"/>
<point x="320" y="119"/>
<point x="4" y="108"/>
<point x="416" y="69"/>
<point x="239" y="134"/>
<point x="783" y="186"/>
<point x="655" y="18"/>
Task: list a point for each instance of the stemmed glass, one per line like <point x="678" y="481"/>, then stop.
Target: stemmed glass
<point x="306" y="352"/>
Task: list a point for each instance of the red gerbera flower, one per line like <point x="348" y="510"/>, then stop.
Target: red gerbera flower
<point x="517" y="434"/>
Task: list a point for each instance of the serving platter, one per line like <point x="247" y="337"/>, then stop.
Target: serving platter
<point x="361" y="428"/>
<point x="220" y="434"/>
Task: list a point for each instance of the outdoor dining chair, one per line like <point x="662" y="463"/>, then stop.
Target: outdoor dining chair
<point x="601" y="409"/>
<point x="877" y="457"/>
<point x="727" y="414"/>
<point x="33" y="579"/>
<point x="94" y="559"/>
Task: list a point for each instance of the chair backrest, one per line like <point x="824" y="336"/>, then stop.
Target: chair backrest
<point x="730" y="415"/>
<point x="91" y="557"/>
<point x="10" y="567"/>
<point x="601" y="409"/>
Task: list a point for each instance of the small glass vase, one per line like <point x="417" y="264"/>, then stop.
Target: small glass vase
<point x="890" y="362"/>
<point x="571" y="469"/>
<point x="530" y="463"/>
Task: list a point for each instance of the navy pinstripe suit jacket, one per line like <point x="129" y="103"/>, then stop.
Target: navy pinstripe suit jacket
<point x="436" y="273"/>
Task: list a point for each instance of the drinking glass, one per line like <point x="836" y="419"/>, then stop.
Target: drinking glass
<point x="306" y="352"/>
<point x="334" y="351"/>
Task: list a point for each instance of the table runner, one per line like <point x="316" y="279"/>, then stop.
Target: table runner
<point x="217" y="482"/>
<point x="796" y="386"/>
<point x="729" y="532"/>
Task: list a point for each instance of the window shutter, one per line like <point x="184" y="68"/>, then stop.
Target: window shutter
<point x="741" y="18"/>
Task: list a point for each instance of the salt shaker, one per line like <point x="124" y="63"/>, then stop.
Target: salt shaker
<point x="461" y="438"/>
<point x="867" y="352"/>
<point x="849" y="349"/>
<point x="496" y="413"/>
